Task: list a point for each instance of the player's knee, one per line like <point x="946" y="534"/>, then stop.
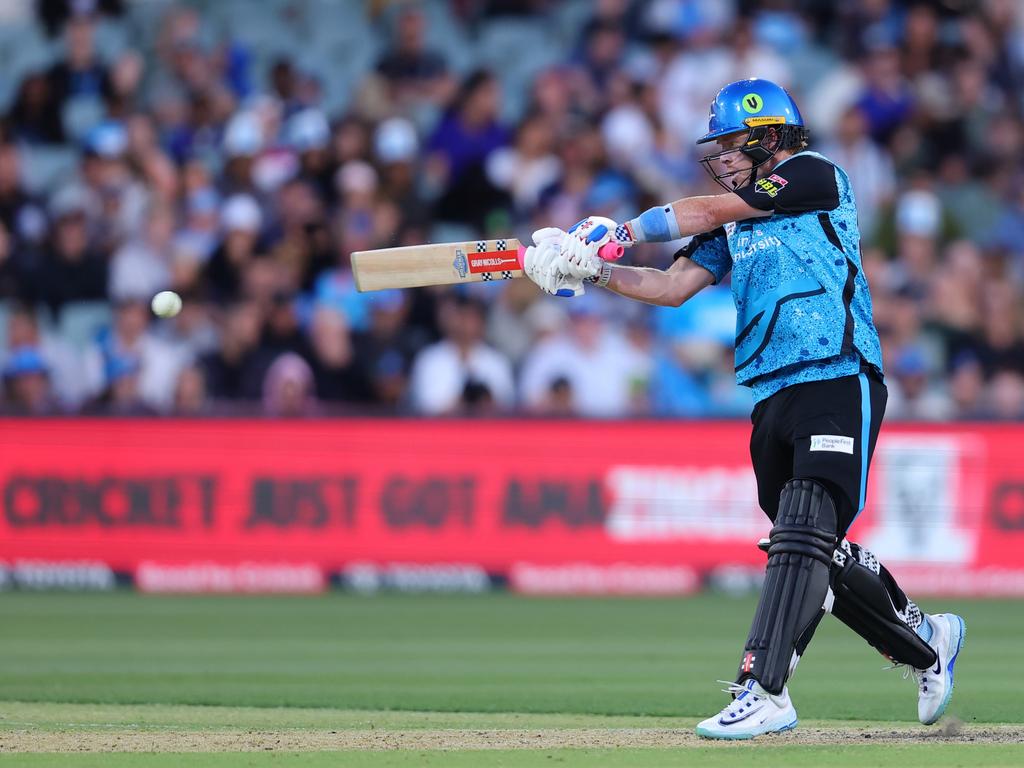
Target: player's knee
<point x="806" y="523"/>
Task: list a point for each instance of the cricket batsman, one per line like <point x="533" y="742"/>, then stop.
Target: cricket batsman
<point x="807" y="347"/>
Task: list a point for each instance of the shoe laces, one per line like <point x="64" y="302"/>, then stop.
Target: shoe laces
<point x="733" y="688"/>
<point x="737" y="705"/>
<point x="922" y="676"/>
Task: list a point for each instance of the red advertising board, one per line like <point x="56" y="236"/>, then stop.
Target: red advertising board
<point x="551" y="506"/>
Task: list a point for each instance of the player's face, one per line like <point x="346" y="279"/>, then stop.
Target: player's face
<point x="733" y="162"/>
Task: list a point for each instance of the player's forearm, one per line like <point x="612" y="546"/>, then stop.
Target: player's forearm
<point x="686" y="217"/>
<point x="653" y="286"/>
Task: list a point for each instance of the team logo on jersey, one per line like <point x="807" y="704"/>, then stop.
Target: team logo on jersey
<point x="771" y="186"/>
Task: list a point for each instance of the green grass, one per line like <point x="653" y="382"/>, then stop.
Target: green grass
<point x="456" y="662"/>
<point x="920" y="756"/>
<point x="475" y="654"/>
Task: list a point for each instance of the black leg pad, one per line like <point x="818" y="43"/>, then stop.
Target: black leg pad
<point x="863" y="603"/>
<point x="796" y="582"/>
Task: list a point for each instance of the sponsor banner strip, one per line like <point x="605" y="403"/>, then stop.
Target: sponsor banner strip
<point x="278" y="506"/>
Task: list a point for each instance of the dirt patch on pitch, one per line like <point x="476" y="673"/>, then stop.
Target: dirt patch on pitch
<point x="302" y="740"/>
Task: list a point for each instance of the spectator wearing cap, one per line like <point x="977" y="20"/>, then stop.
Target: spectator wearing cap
<point x="190" y="398"/>
<point x="365" y="219"/>
<point x="338" y="377"/>
<point x="200" y="230"/>
<point x="282" y="328"/>
<point x="69" y="386"/>
<point x="1005" y="396"/>
<point x="54" y="14"/>
<point x="396" y="149"/>
<point x="32" y="117"/>
<point x="887" y="99"/>
<point x="21" y="214"/>
<point x="309" y="136"/>
<point x="441" y="371"/>
<point x="912" y="230"/>
<point x="142" y="267"/>
<point x="299" y="240"/>
<point x="10" y="277"/>
<point x="469" y="131"/>
<point x="869" y="167"/>
<point x="130" y="339"/>
<point x="516" y="315"/>
<point x="27" y="387"/>
<point x="385" y="350"/>
<point x="234" y="370"/>
<point x="70" y="269"/>
<point x="242" y="144"/>
<point x="241" y="222"/>
<point x="351" y="139"/>
<point x="693" y="363"/>
<point x="605" y="371"/>
<point x="117" y="199"/>
<point x="967" y="387"/>
<point x="912" y="393"/>
<point x="999" y="346"/>
<point x="409" y="70"/>
<point x="528" y="166"/>
<point x="122" y="395"/>
<point x="79" y="79"/>
<point x="954" y="307"/>
<point x="361" y="223"/>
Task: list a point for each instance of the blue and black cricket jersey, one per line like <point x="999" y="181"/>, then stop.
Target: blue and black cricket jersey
<point x="803" y="305"/>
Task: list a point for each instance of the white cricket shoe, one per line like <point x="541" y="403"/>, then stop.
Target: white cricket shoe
<point x="935" y="685"/>
<point x="753" y="712"/>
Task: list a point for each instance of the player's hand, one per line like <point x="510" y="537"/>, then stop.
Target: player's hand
<point x="545" y="264"/>
<point x="603" y="230"/>
<point x="586" y="243"/>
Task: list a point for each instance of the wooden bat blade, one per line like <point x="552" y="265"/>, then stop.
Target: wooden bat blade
<point x="436" y="264"/>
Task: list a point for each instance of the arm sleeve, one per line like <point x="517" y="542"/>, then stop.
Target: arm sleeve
<point x="709" y="250"/>
<point x="801" y="184"/>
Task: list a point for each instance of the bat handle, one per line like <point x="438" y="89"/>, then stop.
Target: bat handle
<point x="611" y="251"/>
<point x="608" y="252"/>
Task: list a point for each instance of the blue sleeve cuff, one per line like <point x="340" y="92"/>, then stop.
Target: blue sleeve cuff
<point x="656" y="225"/>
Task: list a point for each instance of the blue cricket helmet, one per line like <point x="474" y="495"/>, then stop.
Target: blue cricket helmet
<point x="748" y="104"/>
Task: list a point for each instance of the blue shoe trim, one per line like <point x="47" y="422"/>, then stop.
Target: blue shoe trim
<point x="730" y="736"/>
<point x="951" y="664"/>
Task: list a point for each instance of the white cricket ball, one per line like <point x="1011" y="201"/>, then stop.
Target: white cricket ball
<point x="166" y="304"/>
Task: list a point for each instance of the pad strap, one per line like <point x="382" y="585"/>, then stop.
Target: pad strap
<point x="864" y="601"/>
<point x="796" y="582"/>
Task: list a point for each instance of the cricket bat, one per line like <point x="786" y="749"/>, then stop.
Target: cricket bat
<point x="446" y="263"/>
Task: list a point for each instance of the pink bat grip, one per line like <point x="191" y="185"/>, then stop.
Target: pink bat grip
<point x="608" y="252"/>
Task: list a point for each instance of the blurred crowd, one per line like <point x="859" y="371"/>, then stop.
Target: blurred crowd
<point x="237" y="151"/>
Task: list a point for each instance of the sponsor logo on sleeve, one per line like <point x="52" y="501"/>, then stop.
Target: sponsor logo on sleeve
<point x="771" y="185"/>
<point x="833" y="443"/>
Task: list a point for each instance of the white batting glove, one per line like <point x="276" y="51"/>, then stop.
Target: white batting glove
<point x="582" y="243"/>
<point x="545" y="264"/>
<point x="611" y="232"/>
